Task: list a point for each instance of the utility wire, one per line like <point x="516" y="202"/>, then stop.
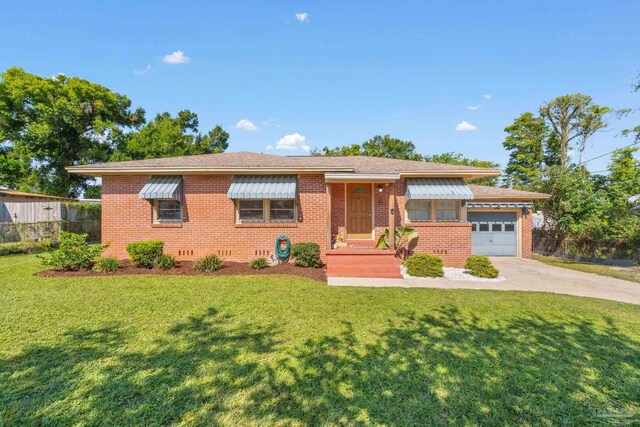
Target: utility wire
<point x="610" y="152"/>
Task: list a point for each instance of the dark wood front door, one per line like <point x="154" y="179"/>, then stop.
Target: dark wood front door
<point x="359" y="211"/>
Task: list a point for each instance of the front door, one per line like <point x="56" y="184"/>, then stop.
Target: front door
<point x="359" y="224"/>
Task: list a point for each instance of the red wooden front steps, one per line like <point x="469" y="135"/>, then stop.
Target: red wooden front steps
<point x="362" y="261"/>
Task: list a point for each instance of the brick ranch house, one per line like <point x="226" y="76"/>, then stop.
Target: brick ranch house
<point x="235" y="205"/>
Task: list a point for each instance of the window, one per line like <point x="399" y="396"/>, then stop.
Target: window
<point x="251" y="210"/>
<point x="419" y="210"/>
<point x="483" y="226"/>
<point x="281" y="210"/>
<point x="168" y="211"/>
<point x="474" y="227"/>
<point x="509" y="227"/>
<point x="447" y="210"/>
<point x="259" y="211"/>
<point x="496" y="226"/>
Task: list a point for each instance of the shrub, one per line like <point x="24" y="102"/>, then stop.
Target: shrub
<point x="480" y="266"/>
<point x="424" y="265"/>
<point x="25" y="247"/>
<point x="306" y="254"/>
<point x="74" y="252"/>
<point x="165" y="262"/>
<point x="145" y="253"/>
<point x="259" y="263"/>
<point x="208" y="263"/>
<point x="104" y="265"/>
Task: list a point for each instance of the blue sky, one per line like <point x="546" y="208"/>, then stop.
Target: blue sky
<point x="340" y="72"/>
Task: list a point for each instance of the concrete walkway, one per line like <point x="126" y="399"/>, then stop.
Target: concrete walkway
<point x="521" y="275"/>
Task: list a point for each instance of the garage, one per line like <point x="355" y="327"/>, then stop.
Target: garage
<point x="493" y="233"/>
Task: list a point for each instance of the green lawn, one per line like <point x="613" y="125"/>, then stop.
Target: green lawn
<point x="276" y="350"/>
<point x="631" y="274"/>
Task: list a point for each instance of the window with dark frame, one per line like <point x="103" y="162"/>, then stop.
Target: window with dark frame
<point x="266" y="211"/>
<point x="168" y="211"/>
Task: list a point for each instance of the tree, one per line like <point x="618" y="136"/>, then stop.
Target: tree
<point x="576" y="207"/>
<point x="167" y="136"/>
<point x="527" y="139"/>
<point x="573" y="117"/>
<point x="378" y="146"/>
<point x="47" y="124"/>
<point x="622" y="183"/>
<point x="453" y="158"/>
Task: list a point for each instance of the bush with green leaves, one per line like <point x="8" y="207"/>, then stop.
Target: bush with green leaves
<point x="306" y="254"/>
<point x="165" y="262"/>
<point x="106" y="265"/>
<point x="480" y="266"/>
<point x="259" y="263"/>
<point x="73" y="254"/>
<point x="208" y="264"/>
<point x="145" y="253"/>
<point x="25" y="247"/>
<point x="424" y="265"/>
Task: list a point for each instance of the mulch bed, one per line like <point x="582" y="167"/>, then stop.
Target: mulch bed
<point x="185" y="268"/>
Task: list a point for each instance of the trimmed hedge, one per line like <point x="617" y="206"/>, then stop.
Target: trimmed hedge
<point x="480" y="266"/>
<point x="259" y="263"/>
<point x="208" y="264"/>
<point x="145" y="253"/>
<point x="306" y="254"/>
<point x="166" y="262"/>
<point x="25" y="247"/>
<point x="106" y="265"/>
<point x="424" y="265"/>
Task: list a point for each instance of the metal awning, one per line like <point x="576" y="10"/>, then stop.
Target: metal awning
<point x="437" y="188"/>
<point x="499" y="205"/>
<point x="262" y="187"/>
<point x="162" y="187"/>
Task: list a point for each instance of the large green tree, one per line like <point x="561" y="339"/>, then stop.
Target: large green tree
<point x="623" y="182"/>
<point x="48" y="123"/>
<point x="167" y="136"/>
<point x="453" y="158"/>
<point x="574" y="118"/>
<point x="527" y="139"/>
<point x="378" y="146"/>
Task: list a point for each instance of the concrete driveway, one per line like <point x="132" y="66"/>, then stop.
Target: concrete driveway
<point x="522" y="275"/>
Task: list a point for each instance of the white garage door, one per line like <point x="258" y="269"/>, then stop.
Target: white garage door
<point x="493" y="233"/>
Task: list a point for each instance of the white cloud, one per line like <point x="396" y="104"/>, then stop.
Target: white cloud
<point x="295" y="141"/>
<point x="464" y="126"/>
<point x="142" y="71"/>
<point x="302" y="17"/>
<point x="474" y="107"/>
<point x="177" y="57"/>
<point x="246" y="124"/>
<point x="269" y="147"/>
<point x="486" y="96"/>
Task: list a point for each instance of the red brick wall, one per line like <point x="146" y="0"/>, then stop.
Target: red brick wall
<point x="527" y="234"/>
<point x="451" y="241"/>
<point x="338" y="210"/>
<point x="209" y="225"/>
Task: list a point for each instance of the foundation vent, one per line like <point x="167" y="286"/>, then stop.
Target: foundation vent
<point x="185" y="252"/>
<point x="262" y="252"/>
<point x="224" y="252"/>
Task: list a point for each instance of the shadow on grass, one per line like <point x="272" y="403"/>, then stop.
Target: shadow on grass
<point x="447" y="368"/>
